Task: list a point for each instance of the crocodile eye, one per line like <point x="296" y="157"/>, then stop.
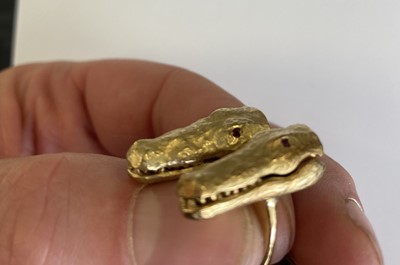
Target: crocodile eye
<point x="285" y="142"/>
<point x="236" y="132"/>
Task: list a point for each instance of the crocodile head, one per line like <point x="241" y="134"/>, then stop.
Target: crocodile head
<point x="273" y="163"/>
<point x="206" y="140"/>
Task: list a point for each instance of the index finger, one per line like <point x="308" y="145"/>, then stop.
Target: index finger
<point x="98" y="107"/>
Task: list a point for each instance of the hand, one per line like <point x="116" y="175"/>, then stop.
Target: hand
<point x="66" y="197"/>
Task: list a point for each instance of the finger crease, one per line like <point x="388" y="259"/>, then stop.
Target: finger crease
<point x="156" y="124"/>
<point x="89" y="125"/>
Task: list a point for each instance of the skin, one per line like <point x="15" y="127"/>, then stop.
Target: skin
<point x="67" y="206"/>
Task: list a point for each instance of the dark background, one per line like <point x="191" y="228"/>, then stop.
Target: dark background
<point x="6" y="31"/>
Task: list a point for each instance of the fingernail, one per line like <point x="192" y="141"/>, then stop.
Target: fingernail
<point x="357" y="215"/>
<point x="160" y="234"/>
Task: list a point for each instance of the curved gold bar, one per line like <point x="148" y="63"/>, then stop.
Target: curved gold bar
<point x="268" y="219"/>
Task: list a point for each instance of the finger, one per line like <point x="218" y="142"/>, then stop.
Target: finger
<point x="331" y="227"/>
<point x="62" y="209"/>
<point x="113" y="135"/>
<point x="99" y="107"/>
<point x="84" y="209"/>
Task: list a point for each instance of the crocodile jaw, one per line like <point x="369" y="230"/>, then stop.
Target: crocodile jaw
<point x="208" y="139"/>
<point x="308" y="173"/>
<point x="278" y="156"/>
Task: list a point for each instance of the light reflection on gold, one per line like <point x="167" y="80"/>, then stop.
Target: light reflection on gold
<point x="230" y="159"/>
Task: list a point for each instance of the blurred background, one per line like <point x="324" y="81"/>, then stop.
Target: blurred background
<point x="334" y="65"/>
<point x="6" y="30"/>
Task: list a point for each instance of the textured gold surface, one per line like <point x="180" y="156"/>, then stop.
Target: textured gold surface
<point x="208" y="139"/>
<point x="230" y="159"/>
<point x="275" y="162"/>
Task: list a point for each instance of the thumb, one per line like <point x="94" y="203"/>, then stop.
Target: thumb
<point x="84" y="209"/>
<point x="160" y="234"/>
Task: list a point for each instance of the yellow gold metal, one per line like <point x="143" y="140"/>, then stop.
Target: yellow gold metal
<point x="168" y="156"/>
<point x="267" y="216"/>
<point x="274" y="163"/>
<point x="230" y="159"/>
<point x="273" y="221"/>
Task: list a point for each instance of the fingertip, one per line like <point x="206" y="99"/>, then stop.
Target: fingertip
<point x="360" y="220"/>
<point x="331" y="228"/>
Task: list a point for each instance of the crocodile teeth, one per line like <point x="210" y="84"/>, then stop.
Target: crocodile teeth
<point x="190" y="203"/>
<point x="221" y="195"/>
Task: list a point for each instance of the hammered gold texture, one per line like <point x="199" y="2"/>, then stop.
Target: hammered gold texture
<point x="230" y="159"/>
<point x="181" y="150"/>
<point x="273" y="163"/>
